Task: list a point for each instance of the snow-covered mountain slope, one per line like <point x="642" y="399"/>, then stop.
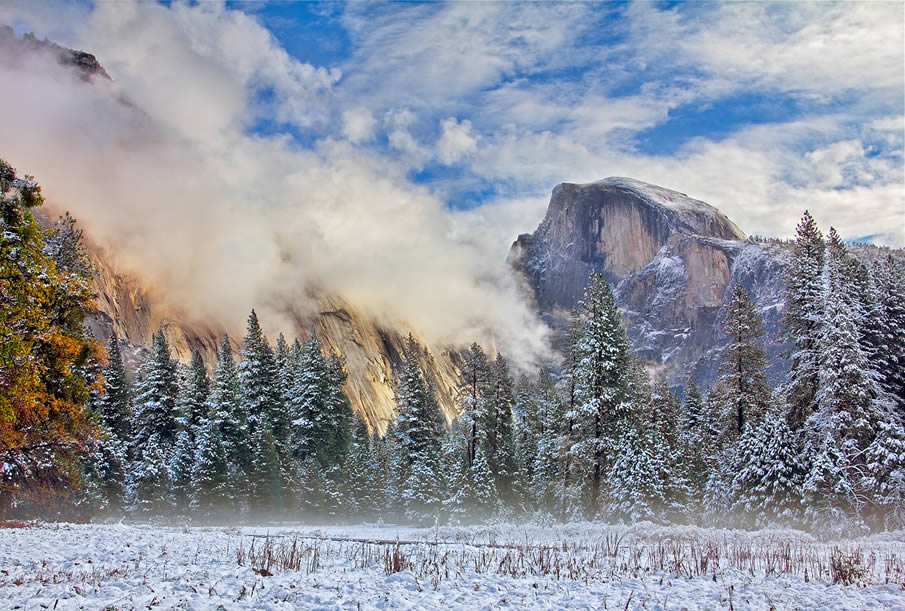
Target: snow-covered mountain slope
<point x="674" y="261"/>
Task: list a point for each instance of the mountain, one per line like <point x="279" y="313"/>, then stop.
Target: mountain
<point x="372" y="351"/>
<point x="673" y="261"/>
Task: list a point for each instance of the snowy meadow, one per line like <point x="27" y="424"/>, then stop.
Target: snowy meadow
<point x="577" y="566"/>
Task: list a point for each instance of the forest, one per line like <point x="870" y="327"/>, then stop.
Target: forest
<point x="270" y="433"/>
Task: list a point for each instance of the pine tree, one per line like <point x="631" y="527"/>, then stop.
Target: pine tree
<point x="265" y="473"/>
<point x="497" y="435"/>
<point x="156" y="397"/>
<point x="888" y="329"/>
<point x="195" y="395"/>
<point x="257" y="372"/>
<point x="320" y="412"/>
<point x="182" y="468"/>
<point x="476" y="377"/>
<point x="641" y="483"/>
<point x="148" y="483"/>
<point x="483" y="490"/>
<point x="551" y="445"/>
<point x="662" y="413"/>
<point x="804" y="319"/>
<point x="359" y="474"/>
<point x="115" y="406"/>
<point x="769" y="474"/>
<point x="885" y="478"/>
<point x="210" y="479"/>
<point x="744" y="377"/>
<point x="227" y="409"/>
<point x="601" y="369"/>
<point x="418" y="440"/>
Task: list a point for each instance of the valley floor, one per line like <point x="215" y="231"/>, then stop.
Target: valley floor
<point x="582" y="566"/>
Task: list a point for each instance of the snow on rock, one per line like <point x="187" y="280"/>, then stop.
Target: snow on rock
<point x="578" y="566"/>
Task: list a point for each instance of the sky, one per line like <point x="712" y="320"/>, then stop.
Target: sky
<point x="435" y="132"/>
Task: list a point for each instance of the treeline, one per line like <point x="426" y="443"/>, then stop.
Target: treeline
<point x="271" y="432"/>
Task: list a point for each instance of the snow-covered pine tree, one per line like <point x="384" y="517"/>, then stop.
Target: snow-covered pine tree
<point x="768" y="474"/>
<point x="601" y="369"/>
<point x="258" y="376"/>
<point x="888" y="320"/>
<point x="476" y="386"/>
<point x="849" y="400"/>
<point x="528" y="429"/>
<point x="804" y="320"/>
<point x="182" y="467"/>
<point x="498" y="437"/>
<point x="743" y="372"/>
<point x="418" y="440"/>
<point x="358" y="474"/>
<point x="885" y="474"/>
<point x="695" y="445"/>
<point x="115" y="406"/>
<point x="265" y="472"/>
<point x="280" y="416"/>
<point x="195" y="395"/>
<point x="227" y="409"/>
<point x="320" y="413"/>
<point x="662" y="413"/>
<point x="551" y="450"/>
<point x="148" y="486"/>
<point x="484" y="498"/>
<point x="156" y="398"/>
<point x="642" y="485"/>
<point x="210" y="495"/>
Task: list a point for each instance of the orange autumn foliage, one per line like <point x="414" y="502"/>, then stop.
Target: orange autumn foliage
<point x="45" y="354"/>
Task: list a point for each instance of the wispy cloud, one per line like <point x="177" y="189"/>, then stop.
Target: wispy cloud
<point x="398" y="174"/>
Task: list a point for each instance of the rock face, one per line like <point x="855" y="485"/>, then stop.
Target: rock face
<point x="13" y="50"/>
<point x="372" y="352"/>
<point x="673" y="262"/>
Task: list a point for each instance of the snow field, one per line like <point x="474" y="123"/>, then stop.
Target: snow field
<point x="579" y="566"/>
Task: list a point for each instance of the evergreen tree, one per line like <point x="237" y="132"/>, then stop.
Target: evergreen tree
<point x="476" y="376"/>
<point x="359" y="473"/>
<point x="182" y="468"/>
<point x="552" y="441"/>
<point x="887" y="336"/>
<point x="265" y="472"/>
<point x="258" y="376"/>
<point x="210" y="477"/>
<point x="766" y="488"/>
<point x="804" y="319"/>
<point x="115" y="405"/>
<point x="228" y="411"/>
<point x="885" y="478"/>
<point x="156" y="397"/>
<point x="662" y="413"/>
<point x="498" y="434"/>
<point x="641" y="483"/>
<point x="320" y="412"/>
<point x="195" y="395"/>
<point x="602" y="361"/>
<point x="148" y="484"/>
<point x="744" y="379"/>
<point x="418" y="440"/>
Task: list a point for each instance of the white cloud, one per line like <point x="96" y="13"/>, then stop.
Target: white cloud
<point x="359" y="125"/>
<point x="222" y="220"/>
<point x="457" y="141"/>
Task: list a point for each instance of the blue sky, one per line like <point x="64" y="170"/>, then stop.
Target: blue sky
<point x="493" y="104"/>
<point x="392" y="152"/>
<point x="634" y="74"/>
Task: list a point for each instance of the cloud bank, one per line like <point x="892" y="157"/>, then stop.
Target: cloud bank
<point x="396" y="170"/>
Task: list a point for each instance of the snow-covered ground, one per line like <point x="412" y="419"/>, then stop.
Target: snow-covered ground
<point x="584" y="566"/>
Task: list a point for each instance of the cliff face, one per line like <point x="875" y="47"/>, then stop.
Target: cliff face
<point x="372" y="351"/>
<point x="672" y="260"/>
